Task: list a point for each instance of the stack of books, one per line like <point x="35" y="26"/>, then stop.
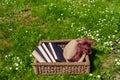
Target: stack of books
<point x="48" y="52"/>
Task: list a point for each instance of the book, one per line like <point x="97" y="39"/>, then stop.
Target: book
<point x="48" y="52"/>
<point x="38" y="55"/>
<point x="44" y="45"/>
<point x="57" y="52"/>
<point x="44" y="53"/>
<point x="53" y="51"/>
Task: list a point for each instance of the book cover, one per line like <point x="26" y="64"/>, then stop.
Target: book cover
<point x="58" y="52"/>
<point x="48" y="51"/>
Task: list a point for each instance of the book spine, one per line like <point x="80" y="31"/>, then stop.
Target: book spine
<point x="48" y="52"/>
<point x="39" y="52"/>
<point x="54" y="54"/>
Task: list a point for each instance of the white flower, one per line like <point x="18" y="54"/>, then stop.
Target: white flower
<point x="61" y="14"/>
<point x="10" y="29"/>
<point x="6" y="56"/>
<point x="118" y="63"/>
<point x="98" y="39"/>
<point x="26" y="31"/>
<point x="113" y="36"/>
<point x="111" y="48"/>
<point x="21" y="62"/>
<point x="78" y="30"/>
<point x="97" y="34"/>
<point x="10" y="68"/>
<point x="98" y="76"/>
<point x="116" y="60"/>
<point x="92" y="37"/>
<point x="104" y="43"/>
<point x="97" y="31"/>
<point x="72" y="24"/>
<point x="44" y="5"/>
<point x="118" y="51"/>
<point x="18" y="58"/>
<point x="108" y="36"/>
<point x="30" y="55"/>
<point x="115" y="30"/>
<point x="83" y="5"/>
<point x="90" y="74"/>
<point x="16" y="68"/>
<point x="16" y="64"/>
<point x="58" y="19"/>
<point x="110" y="42"/>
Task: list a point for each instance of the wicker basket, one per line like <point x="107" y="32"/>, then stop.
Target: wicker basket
<point x="61" y="67"/>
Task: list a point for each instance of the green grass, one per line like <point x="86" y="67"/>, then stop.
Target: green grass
<point x="23" y="23"/>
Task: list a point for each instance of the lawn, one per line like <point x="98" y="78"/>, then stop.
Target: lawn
<point x="23" y="23"/>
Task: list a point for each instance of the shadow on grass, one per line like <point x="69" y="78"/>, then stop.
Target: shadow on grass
<point x="95" y="61"/>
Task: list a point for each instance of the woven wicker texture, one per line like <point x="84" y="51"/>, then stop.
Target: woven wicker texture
<point x="61" y="67"/>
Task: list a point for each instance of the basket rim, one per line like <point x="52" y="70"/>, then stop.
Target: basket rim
<point x="57" y="41"/>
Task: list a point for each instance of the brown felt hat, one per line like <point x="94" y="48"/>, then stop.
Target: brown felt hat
<point x="70" y="49"/>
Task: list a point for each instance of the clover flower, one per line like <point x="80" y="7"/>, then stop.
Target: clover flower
<point x="26" y="31"/>
<point x="72" y="24"/>
<point x="113" y="36"/>
<point x="58" y="19"/>
<point x="118" y="63"/>
<point x="116" y="31"/>
<point x="16" y="68"/>
<point x="21" y="62"/>
<point x="18" y="58"/>
<point x="79" y="30"/>
<point x="30" y="55"/>
<point x="62" y="14"/>
<point x="90" y="74"/>
<point x="10" y="29"/>
<point x="16" y="64"/>
<point x="10" y="68"/>
<point x="98" y="76"/>
<point x="97" y="34"/>
<point x="116" y="60"/>
<point x="6" y="56"/>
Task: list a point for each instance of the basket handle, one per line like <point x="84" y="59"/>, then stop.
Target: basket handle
<point x="87" y="59"/>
